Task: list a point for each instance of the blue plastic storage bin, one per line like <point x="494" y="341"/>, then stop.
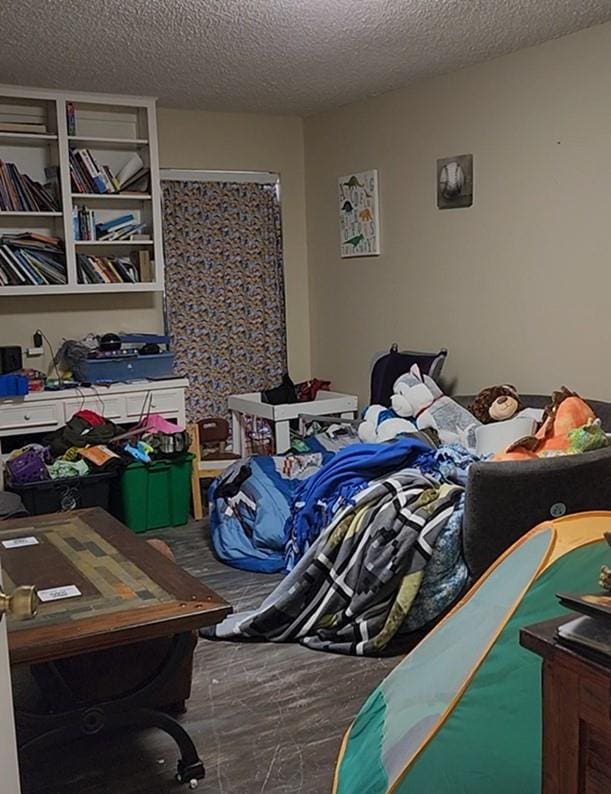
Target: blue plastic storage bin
<point x="158" y="365"/>
<point x="13" y="385"/>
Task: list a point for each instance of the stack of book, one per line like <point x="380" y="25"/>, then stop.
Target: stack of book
<point x="124" y="227"/>
<point x="88" y="176"/>
<point x="591" y="631"/>
<point x="21" y="193"/>
<point x="31" y="259"/>
<point x="134" y="176"/>
<point x="83" y="223"/>
<point x="114" y="270"/>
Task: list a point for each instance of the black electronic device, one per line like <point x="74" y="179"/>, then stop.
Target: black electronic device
<point x="150" y="349"/>
<point x="110" y="342"/>
<point x="11" y="359"/>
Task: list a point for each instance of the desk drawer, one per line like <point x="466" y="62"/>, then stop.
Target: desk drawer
<point x="30" y="416"/>
<point x="161" y="402"/>
<point x="109" y="407"/>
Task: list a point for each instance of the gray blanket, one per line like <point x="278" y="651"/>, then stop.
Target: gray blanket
<point x="355" y="586"/>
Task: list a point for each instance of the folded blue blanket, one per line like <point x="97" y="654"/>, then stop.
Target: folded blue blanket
<point x="250" y="505"/>
<point x="336" y="484"/>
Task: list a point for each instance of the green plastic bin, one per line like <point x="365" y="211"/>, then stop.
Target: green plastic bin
<point x="157" y="494"/>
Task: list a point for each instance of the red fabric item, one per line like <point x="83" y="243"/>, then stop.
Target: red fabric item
<point x="91" y="417"/>
<point x="308" y="390"/>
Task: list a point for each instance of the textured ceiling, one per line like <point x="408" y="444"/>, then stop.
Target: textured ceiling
<point x="280" y="56"/>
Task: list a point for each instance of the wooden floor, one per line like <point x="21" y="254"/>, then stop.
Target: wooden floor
<point x="265" y="718"/>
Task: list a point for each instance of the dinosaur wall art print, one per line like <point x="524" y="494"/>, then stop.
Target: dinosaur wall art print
<point x="359" y="223"/>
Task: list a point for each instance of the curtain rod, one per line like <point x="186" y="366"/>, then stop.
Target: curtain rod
<point x="193" y="175"/>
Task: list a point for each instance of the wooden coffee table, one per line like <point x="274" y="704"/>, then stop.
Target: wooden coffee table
<point x="123" y="592"/>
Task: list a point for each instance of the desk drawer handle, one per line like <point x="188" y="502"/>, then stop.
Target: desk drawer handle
<point x="27" y="417"/>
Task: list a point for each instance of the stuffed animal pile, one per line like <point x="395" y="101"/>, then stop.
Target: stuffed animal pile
<point x="568" y="425"/>
<point x="418" y="404"/>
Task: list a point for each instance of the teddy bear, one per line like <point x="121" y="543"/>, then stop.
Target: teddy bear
<point x="496" y="404"/>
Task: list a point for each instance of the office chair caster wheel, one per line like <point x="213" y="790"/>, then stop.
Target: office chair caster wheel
<point x="193" y="783"/>
<point x="191" y="773"/>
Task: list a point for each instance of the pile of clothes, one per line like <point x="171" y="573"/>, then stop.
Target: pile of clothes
<point x="61" y="455"/>
<point x="90" y="443"/>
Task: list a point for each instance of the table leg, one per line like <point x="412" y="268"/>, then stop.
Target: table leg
<point x="196" y="489"/>
<point x="236" y="434"/>
<point x="282" y="432"/>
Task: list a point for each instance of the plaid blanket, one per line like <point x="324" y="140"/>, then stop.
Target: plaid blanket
<point x="354" y="587"/>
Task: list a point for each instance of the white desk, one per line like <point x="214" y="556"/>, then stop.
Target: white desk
<point x="326" y="403"/>
<point x="123" y="403"/>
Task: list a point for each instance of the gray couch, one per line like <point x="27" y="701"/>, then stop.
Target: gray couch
<point x="505" y="500"/>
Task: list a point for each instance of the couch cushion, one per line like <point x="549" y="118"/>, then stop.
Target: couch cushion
<point x="505" y="500"/>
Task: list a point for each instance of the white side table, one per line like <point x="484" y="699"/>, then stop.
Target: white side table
<point x="326" y="403"/>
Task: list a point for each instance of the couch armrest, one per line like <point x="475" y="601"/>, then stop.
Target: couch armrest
<point x="504" y="500"/>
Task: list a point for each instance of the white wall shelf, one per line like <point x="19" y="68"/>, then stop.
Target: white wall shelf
<point x="112" y="196"/>
<point x="133" y="243"/>
<point x="107" y="143"/>
<point x="29" y="214"/>
<point x="114" y="127"/>
<point x="26" y="138"/>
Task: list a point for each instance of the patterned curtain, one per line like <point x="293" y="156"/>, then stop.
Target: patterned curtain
<point x="224" y="289"/>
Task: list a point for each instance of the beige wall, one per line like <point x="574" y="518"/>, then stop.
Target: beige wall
<point x="199" y="140"/>
<point x="517" y="287"/>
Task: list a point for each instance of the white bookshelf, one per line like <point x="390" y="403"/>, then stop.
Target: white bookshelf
<point x="112" y="127"/>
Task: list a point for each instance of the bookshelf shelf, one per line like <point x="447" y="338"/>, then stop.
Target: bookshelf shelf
<point x="74" y="289"/>
<point x="25" y="214"/>
<point x="116" y="130"/>
<point x="107" y="143"/>
<point x="26" y="138"/>
<point x="133" y="243"/>
<point x="112" y="196"/>
<point x="142" y="286"/>
<point x="30" y="289"/>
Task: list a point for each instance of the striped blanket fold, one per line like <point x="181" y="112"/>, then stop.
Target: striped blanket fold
<point x="337" y="483"/>
<point x="354" y="587"/>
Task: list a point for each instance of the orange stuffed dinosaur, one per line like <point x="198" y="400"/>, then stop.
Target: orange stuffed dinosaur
<point x="566" y="412"/>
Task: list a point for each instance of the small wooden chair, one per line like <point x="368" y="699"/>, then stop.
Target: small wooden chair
<point x="208" y="443"/>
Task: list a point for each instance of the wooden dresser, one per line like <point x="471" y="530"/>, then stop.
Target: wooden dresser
<point x="576" y="715"/>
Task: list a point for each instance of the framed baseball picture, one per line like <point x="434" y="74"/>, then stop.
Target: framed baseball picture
<point x="455" y="181"/>
<point x="359" y="222"/>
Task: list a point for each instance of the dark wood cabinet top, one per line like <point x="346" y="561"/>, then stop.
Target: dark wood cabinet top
<point x="541" y="639"/>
